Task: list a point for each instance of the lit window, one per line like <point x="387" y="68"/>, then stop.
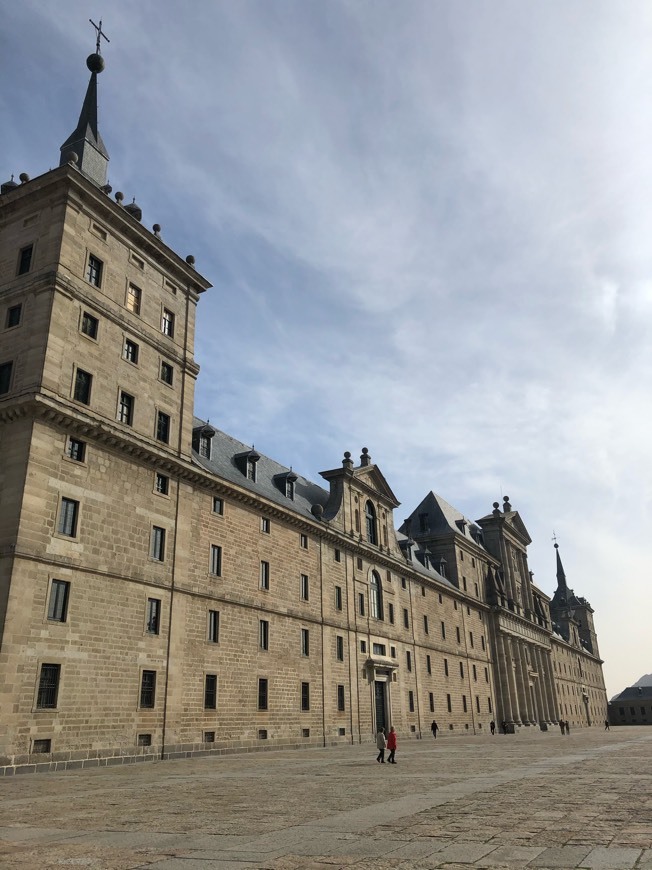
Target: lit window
<point x="89" y="325"/>
<point x="58" y="604"/>
<point x="167" y="323"/>
<point x="134" y="298"/>
<point x="68" y="517"/>
<point x="94" y="271"/>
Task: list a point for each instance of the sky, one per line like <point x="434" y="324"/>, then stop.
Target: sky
<point x="428" y="226"/>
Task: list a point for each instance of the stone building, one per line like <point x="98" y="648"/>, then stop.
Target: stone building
<point x="633" y="706"/>
<point x="166" y="589"/>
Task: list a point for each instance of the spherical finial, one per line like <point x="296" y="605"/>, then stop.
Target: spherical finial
<point x="556" y="546"/>
<point x="24" y="177"/>
<point x="496" y="505"/>
<point x="119" y="197"/>
<point x="190" y="260"/>
<point x="365" y="451"/>
<point x="505" y="498"/>
<point x="347" y="454"/>
<point x="157" y="229"/>
<point x="95" y="63"/>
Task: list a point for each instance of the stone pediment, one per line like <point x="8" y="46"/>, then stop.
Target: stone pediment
<point x="516" y="524"/>
<point x="371" y="479"/>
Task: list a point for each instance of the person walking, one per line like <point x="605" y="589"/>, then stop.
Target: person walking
<point x="434" y="728"/>
<point x="391" y="745"/>
<point x="567" y="727"/>
<point x="492" y="727"/>
<point x="562" y="725"/>
<point x="504" y="726"/>
<point x="606" y="725"/>
<point x="381" y="744"/>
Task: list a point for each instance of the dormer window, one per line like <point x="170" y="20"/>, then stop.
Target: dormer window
<point x="246" y="462"/>
<point x="370" y="519"/>
<point x="202" y="438"/>
<point x="285" y="482"/>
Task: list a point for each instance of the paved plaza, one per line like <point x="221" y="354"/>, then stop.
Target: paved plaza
<point x="536" y="800"/>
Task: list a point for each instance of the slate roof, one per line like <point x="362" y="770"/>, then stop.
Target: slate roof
<point x="442" y="517"/>
<point x="634" y="693"/>
<point x="222" y="463"/>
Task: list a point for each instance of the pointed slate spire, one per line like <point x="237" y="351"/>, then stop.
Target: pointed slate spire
<point x="561" y="576"/>
<point x="85" y="142"/>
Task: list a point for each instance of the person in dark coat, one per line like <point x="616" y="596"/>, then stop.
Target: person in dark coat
<point x="492" y="727"/>
<point x="562" y="725"/>
<point x="434" y="728"/>
<point x="391" y="745"/>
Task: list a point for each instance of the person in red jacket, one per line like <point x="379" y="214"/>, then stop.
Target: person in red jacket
<point x="391" y="745"/>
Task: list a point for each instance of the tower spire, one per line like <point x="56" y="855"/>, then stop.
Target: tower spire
<point x="85" y="142"/>
<point x="561" y="576"/>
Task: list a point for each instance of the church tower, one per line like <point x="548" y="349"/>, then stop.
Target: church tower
<point x="97" y="377"/>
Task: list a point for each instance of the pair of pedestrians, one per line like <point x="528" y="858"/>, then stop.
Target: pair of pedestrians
<point x="383" y="743"/>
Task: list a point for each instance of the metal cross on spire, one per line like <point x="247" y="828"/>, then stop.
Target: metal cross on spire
<point x="98" y="30"/>
<point x="554" y="536"/>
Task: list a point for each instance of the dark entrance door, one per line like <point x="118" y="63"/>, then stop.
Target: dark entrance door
<point x="381" y="717"/>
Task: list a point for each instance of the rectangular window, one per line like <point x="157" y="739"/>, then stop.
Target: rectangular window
<point x="264" y="575"/>
<point x="216" y="561"/>
<point x="265" y="525"/>
<point x="251" y="470"/>
<point x="209" y="737"/>
<point x="83" y="384"/>
<point x="76" y="449"/>
<point x="482" y="643"/>
<point x="305" y="587"/>
<point x="218" y="506"/>
<point x="361" y="603"/>
<point x="205" y="446"/>
<point x="471" y="639"/>
<point x="89" y="325"/>
<point x="338" y="556"/>
<point x="338" y="598"/>
<point x="305" y="642"/>
<point x="406" y="618"/>
<point x="263" y="634"/>
<point x="489" y="705"/>
<point x="475" y="674"/>
<point x="428" y="665"/>
<point x="162" y="483"/>
<point x="25" y="259"/>
<point x="408" y="660"/>
<point x="162" y="427"/>
<point x="425" y="624"/>
<point x="157" y="544"/>
<point x="390" y="611"/>
<point x="13" y="316"/>
<point x="462" y="670"/>
<point x="486" y="675"/>
<point x="363" y="646"/>
<point x="263" y="698"/>
<point x="48" y="687"/>
<point x="403" y="583"/>
<point x="153" y="615"/>
<point x="94" y="271"/>
<point x="448" y="704"/>
<point x="68" y="517"/>
<point x="305" y="696"/>
<point x="304" y="542"/>
<point x="341" y="703"/>
<point x="477" y="703"/>
<point x="144" y="740"/>
<point x="457" y="634"/>
<point x="167" y="323"/>
<point x="210" y="692"/>
<point x="464" y="703"/>
<point x="126" y="409"/>
<point x="379" y="649"/>
<point x="167" y="373"/>
<point x="213" y="626"/>
<point x="411" y="701"/>
<point x="446" y="667"/>
<point x="392" y="651"/>
<point x="431" y="698"/>
<point x="58" y="604"/>
<point x="148" y="689"/>
<point x="339" y="648"/>
<point x="42" y="746"/>
<point x="134" y="298"/>
<point x="130" y="351"/>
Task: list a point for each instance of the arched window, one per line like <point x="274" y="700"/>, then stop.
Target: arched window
<point x="370" y="517"/>
<point x="376" y="593"/>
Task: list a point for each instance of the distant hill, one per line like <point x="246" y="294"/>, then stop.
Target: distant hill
<point x="645" y="680"/>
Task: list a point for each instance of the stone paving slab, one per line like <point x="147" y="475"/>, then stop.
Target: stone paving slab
<point x="530" y="800"/>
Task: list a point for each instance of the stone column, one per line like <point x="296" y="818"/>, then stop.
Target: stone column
<point x="513" y="670"/>
<point x="525" y="682"/>
<point x="544" y="678"/>
<point x="538" y="687"/>
<point x="552" y="691"/>
<point x="503" y="672"/>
